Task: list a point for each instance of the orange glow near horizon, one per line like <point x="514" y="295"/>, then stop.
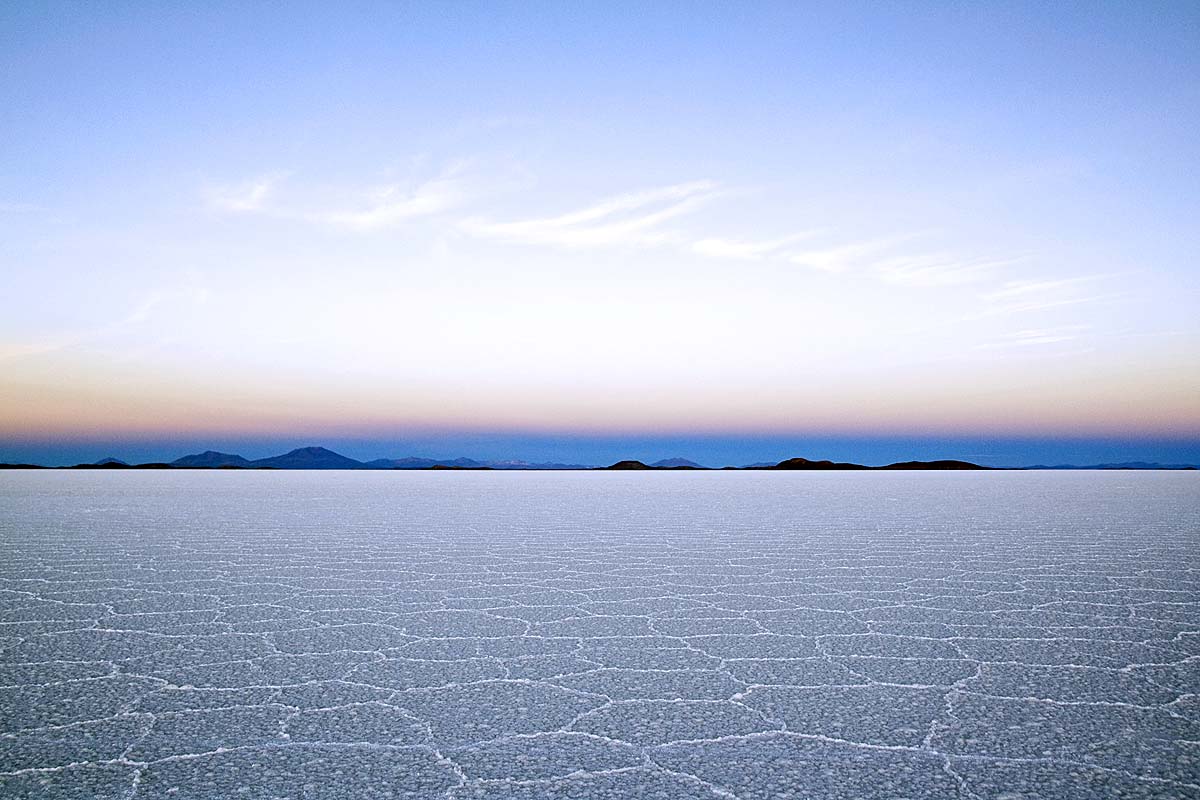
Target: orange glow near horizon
<point x="1140" y="401"/>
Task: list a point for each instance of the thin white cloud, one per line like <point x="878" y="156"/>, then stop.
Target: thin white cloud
<point x="745" y="250"/>
<point x="246" y="197"/>
<point x="391" y="205"/>
<point x="625" y="220"/>
<point x="938" y="269"/>
<point x="1026" y="288"/>
<point x="637" y="219"/>
<point x="1041" y="294"/>
<point x="141" y="313"/>
<point x="1062" y="341"/>
<point x="379" y="208"/>
<point x="1040" y="305"/>
<point x="1034" y="337"/>
<point x="843" y="257"/>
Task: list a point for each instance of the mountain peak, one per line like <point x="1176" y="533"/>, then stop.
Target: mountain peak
<point x="309" y="458"/>
<point x="677" y="462"/>
<point x="210" y="459"/>
<point x="804" y="463"/>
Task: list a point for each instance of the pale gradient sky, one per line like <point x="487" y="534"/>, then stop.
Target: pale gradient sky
<point x="386" y="221"/>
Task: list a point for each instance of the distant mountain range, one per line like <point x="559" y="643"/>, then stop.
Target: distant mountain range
<point x="674" y="463"/>
<point x="805" y="464"/>
<point x="323" y="458"/>
<point x="211" y="459"/>
<point x="308" y="458"/>
<point x="1119" y="465"/>
<point x="631" y="464"/>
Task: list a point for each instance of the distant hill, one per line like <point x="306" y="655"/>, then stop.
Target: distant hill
<point x="116" y="463"/>
<point x="412" y="462"/>
<point x="804" y="463"/>
<point x="308" y="458"/>
<point x="313" y="458"/>
<point x="516" y="464"/>
<point x="210" y="459"/>
<point x="943" y="464"/>
<point x="677" y="463"/>
<point x="1118" y="465"/>
<point x="668" y="464"/>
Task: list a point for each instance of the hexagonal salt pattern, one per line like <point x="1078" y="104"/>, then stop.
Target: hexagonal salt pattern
<point x="599" y="635"/>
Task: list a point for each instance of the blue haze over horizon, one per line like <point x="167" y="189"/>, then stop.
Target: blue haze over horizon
<point x="712" y="451"/>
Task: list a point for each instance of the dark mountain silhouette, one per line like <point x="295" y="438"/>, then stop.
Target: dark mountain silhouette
<point x="1118" y="465"/>
<point x="630" y="464"/>
<point x="308" y="458"/>
<point x="677" y="463"/>
<point x="412" y="462"/>
<point x="943" y="464"/>
<point x="517" y="464"/>
<point x="210" y="459"/>
<point x="116" y="463"/>
<point x="21" y="466"/>
<point x="804" y="463"/>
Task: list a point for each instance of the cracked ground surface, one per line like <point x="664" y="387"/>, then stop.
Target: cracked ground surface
<point x="678" y="635"/>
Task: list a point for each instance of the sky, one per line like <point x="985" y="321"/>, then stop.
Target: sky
<point x="590" y="230"/>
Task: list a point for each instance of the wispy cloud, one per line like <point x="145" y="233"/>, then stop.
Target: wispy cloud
<point x="939" y="269"/>
<point x="141" y="312"/>
<point x="640" y="219"/>
<point x="648" y="218"/>
<point x="1040" y="294"/>
<point x="1042" y="305"/>
<point x="377" y="208"/>
<point x="389" y="206"/>
<point x="841" y="258"/>
<point x="245" y="197"/>
<point x="627" y="220"/>
<point x="745" y="250"/>
<point x="1027" y="288"/>
<point x="1034" y="337"/>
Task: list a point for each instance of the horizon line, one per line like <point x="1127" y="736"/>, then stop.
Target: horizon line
<point x="417" y="463"/>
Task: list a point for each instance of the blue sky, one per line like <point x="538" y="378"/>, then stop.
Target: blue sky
<point x="532" y="224"/>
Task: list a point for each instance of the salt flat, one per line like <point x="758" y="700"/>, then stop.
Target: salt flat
<point x="674" y="635"/>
